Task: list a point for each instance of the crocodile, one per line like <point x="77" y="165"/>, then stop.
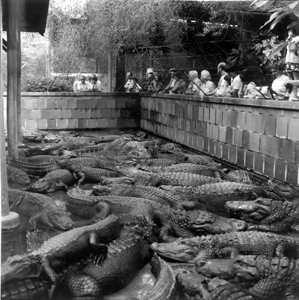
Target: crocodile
<point x="267" y="214"/>
<point x="64" y="249"/>
<point x="165" y="178"/>
<point x="16" y="175"/>
<point x="35" y="169"/>
<point x="210" y="246"/>
<point x="57" y="179"/>
<point x="286" y="191"/>
<point x="215" y="195"/>
<point x="270" y="278"/>
<point x="148" y="192"/>
<point x="40" y="208"/>
<point x="174" y="222"/>
<point x="86" y="174"/>
<point x="194" y="286"/>
<point x="164" y="288"/>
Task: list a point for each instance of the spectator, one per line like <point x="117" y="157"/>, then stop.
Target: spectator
<point x="82" y="86"/>
<point x="180" y="84"/>
<point x="96" y="85"/>
<point x="225" y="87"/>
<point x="156" y="85"/>
<point x="207" y="86"/>
<point x="221" y="70"/>
<point x="292" y="57"/>
<point x="236" y="83"/>
<point x="194" y="85"/>
<point x="148" y="79"/>
<point x="131" y="85"/>
<point x="171" y="83"/>
<point x="76" y="82"/>
<point x="281" y="84"/>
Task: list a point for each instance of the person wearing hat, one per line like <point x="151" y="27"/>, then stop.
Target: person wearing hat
<point x="172" y="81"/>
<point x="82" y="86"/>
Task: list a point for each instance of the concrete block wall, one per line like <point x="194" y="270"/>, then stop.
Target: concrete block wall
<point x="69" y="111"/>
<point x="261" y="135"/>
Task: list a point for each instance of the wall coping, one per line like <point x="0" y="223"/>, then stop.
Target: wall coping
<point x="73" y="94"/>
<point x="278" y="104"/>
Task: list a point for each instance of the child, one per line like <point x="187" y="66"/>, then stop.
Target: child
<point x="224" y="90"/>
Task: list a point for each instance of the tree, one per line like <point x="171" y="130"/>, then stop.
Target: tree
<point x="119" y="25"/>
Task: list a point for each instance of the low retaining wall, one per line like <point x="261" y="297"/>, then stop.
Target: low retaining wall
<point x="69" y="111"/>
<point x="261" y="135"/>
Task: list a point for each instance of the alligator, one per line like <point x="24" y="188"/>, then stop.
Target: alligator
<point x="187" y="224"/>
<point x="82" y="204"/>
<point x="148" y="192"/>
<point x="16" y="175"/>
<point x="164" y="288"/>
<point x="270" y="278"/>
<point x="211" y="246"/>
<point x="205" y="170"/>
<point x="86" y="173"/>
<point x="271" y="215"/>
<point x="40" y="208"/>
<point x="131" y="251"/>
<point x="57" y="179"/>
<point x="173" y="222"/>
<point x="215" y="195"/>
<point x="193" y="286"/>
<point x="158" y="162"/>
<point x="287" y="192"/>
<point x="35" y="169"/>
<point x="241" y="176"/>
<point x="165" y="178"/>
<point x="63" y="249"/>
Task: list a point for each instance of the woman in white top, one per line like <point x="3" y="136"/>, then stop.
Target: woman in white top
<point x="292" y="57"/>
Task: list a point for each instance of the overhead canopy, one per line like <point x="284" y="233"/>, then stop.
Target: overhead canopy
<point x="33" y="15"/>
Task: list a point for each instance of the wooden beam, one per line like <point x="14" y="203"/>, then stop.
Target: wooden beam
<point x="3" y="187"/>
<point x="13" y="40"/>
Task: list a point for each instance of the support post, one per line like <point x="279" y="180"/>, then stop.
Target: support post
<point x="10" y="222"/>
<point x="19" y="104"/>
<point x="110" y="71"/>
<point x="13" y="35"/>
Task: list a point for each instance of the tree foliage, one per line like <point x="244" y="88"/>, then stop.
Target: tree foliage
<point x="118" y="25"/>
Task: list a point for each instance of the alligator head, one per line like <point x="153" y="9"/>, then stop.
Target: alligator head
<point x="59" y="219"/>
<point x="20" y="267"/>
<point x="251" y="211"/>
<point x="21" y="178"/>
<point x="184" y="250"/>
<point x="288" y="192"/>
<point x="117" y="180"/>
<point x="41" y="186"/>
<point x="208" y="223"/>
<point x="242" y="269"/>
<point x="127" y="170"/>
<point x="101" y="190"/>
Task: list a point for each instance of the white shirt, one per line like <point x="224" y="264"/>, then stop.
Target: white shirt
<point x="96" y="87"/>
<point x="279" y="84"/>
<point x="236" y="83"/>
<point x="291" y="56"/>
<point x="82" y="87"/>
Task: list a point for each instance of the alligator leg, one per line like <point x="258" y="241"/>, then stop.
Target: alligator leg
<point x="52" y="276"/>
<point x="42" y="217"/>
<point x="99" y="248"/>
<point x="82" y="176"/>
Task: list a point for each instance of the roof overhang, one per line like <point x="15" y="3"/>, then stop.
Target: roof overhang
<point x="33" y="13"/>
